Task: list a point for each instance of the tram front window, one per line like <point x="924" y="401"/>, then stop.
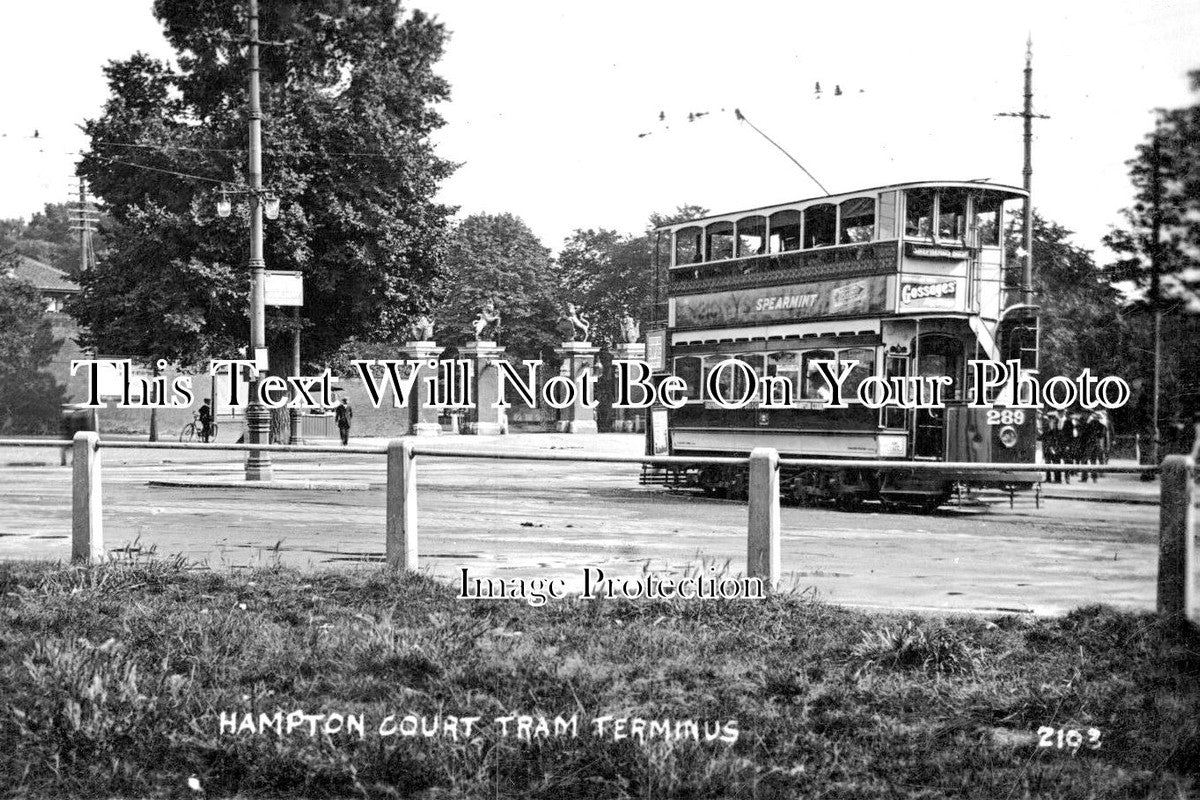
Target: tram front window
<point x="918" y="215"/>
<point x="952" y="214"/>
<point x="942" y="355"/>
<point x="987" y="220"/>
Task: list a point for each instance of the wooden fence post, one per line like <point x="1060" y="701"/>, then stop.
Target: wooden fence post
<point x="87" y="529"/>
<point x="762" y="557"/>
<point x="401" y="505"/>
<point x="1175" y="547"/>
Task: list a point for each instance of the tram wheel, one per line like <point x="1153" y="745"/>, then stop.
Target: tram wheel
<point x="713" y="481"/>
<point x="850" y="502"/>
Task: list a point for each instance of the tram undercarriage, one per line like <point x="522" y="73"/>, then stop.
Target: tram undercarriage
<point x="849" y="489"/>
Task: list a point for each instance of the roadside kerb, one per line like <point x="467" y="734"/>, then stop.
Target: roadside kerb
<point x="1176" y="515"/>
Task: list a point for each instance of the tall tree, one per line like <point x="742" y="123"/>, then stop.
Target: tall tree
<point x="1158" y="249"/>
<point x="497" y="257"/>
<point x="348" y="90"/>
<point x="30" y="398"/>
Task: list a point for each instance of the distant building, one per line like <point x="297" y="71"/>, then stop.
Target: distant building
<point x="56" y="286"/>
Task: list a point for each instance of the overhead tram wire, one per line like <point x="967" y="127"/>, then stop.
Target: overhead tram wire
<point x="160" y="169"/>
<point x="742" y="118"/>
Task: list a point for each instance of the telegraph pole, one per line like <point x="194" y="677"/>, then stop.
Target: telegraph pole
<point x="1028" y="117"/>
<point x="83" y="219"/>
<point x="258" y="419"/>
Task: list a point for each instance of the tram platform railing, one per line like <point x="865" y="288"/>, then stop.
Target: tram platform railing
<point x="1175" y="589"/>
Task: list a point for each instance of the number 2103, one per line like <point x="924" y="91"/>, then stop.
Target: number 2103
<point x="1068" y="738"/>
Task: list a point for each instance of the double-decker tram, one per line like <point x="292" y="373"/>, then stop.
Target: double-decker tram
<point x="904" y="281"/>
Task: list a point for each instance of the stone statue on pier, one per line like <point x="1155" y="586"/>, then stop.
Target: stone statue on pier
<point x="574" y="324"/>
<point x="487" y="320"/>
<point x="630" y="329"/>
<point x="421" y="329"/>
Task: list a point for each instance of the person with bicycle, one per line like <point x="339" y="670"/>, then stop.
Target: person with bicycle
<point x="206" y="418"/>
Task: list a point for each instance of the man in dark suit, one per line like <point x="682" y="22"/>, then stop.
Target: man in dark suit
<point x="342" y="416"/>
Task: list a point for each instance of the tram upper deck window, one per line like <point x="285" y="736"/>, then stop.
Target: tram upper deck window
<point x="987" y="219"/>
<point x="918" y="214"/>
<point x="751" y="236"/>
<point x="784" y="231"/>
<point x="952" y="213"/>
<point x="718" y="239"/>
<point x="820" y="225"/>
<point x="687" y="246"/>
<point x="857" y="221"/>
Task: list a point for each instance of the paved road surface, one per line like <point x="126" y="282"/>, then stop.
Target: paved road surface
<point x="534" y="519"/>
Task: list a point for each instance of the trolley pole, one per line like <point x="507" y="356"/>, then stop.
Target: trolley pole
<point x="258" y="419"/>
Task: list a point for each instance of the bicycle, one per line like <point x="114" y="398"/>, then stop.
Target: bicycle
<point x="191" y="431"/>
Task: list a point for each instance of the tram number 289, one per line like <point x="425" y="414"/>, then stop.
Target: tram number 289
<point x="1006" y="416"/>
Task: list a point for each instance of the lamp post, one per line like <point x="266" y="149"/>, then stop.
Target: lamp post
<point x="258" y="419"/>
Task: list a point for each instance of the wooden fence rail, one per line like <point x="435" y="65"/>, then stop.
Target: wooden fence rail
<point x="1176" y="564"/>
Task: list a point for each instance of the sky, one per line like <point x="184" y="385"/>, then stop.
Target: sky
<point x="549" y="100"/>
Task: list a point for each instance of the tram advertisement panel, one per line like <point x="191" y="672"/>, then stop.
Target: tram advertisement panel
<point x="782" y="303"/>
<point x="930" y="292"/>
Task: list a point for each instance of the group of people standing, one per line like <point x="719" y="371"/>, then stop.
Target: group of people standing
<point x="1079" y="437"/>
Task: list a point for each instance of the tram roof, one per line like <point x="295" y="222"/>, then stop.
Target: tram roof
<point x="1011" y="191"/>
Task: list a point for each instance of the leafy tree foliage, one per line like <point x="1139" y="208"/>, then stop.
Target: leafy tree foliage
<point x="609" y="273"/>
<point x="1080" y="308"/>
<point x="497" y="257"/>
<point x="348" y="90"/>
<point x="30" y="399"/>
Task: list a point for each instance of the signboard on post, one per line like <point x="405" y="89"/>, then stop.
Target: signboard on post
<point x="656" y="349"/>
<point x="283" y="288"/>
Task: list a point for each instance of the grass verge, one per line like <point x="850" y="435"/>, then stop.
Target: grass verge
<point x="114" y="679"/>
